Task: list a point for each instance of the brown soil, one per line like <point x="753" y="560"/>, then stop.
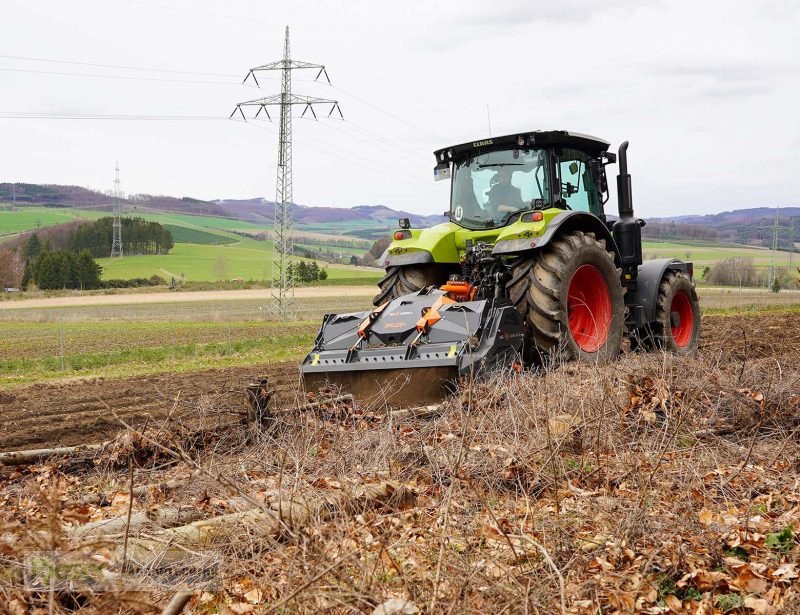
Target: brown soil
<point x="754" y="337"/>
<point x="83" y="411"/>
<point x="77" y="412"/>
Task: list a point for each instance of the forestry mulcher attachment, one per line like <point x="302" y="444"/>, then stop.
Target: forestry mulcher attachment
<point x="528" y="270"/>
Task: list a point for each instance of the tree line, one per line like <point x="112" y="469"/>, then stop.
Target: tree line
<point x="51" y="270"/>
<point x="301" y="272"/>
<point x="65" y="258"/>
<point x="139" y="236"/>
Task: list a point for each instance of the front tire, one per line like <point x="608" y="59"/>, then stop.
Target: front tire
<point x="677" y="324"/>
<point x="571" y="298"/>
<point x="406" y="279"/>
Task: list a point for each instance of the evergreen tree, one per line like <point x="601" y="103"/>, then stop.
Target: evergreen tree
<point x="138" y="237"/>
<point x="65" y="269"/>
<point x="88" y="270"/>
<point x="27" y="275"/>
<point x="32" y="248"/>
<point x="45" y="272"/>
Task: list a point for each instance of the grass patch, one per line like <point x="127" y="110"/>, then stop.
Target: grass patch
<point x="182" y="234"/>
<point x="752" y="309"/>
<point x="21" y="219"/>
<point x="34" y="341"/>
<point x="244" y="258"/>
<point x="137" y="361"/>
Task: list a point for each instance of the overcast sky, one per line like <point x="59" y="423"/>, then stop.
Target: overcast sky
<point x="707" y="92"/>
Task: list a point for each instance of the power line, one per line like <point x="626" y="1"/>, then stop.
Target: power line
<point x="390" y="114"/>
<point x="124" y="77"/>
<point x="340" y="153"/>
<point x="120" y="66"/>
<point x="374" y="75"/>
<point x="282" y="282"/>
<point x="196" y="12"/>
<point x="32" y="115"/>
<point x="391" y="142"/>
<point x="363" y="139"/>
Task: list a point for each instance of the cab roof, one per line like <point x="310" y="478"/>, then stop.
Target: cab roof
<point x="536" y="138"/>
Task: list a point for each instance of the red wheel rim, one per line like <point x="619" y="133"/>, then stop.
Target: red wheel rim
<point x="589" y="308"/>
<point x="682" y="334"/>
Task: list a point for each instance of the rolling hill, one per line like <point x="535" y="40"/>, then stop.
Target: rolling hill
<point x="236" y="231"/>
<point x="365" y="221"/>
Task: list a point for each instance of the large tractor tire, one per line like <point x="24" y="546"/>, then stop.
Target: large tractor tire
<point x="571" y="298"/>
<point x="406" y="279"/>
<point x="677" y="324"/>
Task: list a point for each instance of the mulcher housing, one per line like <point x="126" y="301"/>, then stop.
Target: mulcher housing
<point x="375" y="348"/>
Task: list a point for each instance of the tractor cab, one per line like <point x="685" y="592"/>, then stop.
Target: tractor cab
<point x="495" y="180"/>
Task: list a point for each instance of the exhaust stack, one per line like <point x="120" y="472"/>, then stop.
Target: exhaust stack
<point x="627" y="233"/>
<point x="624" y="192"/>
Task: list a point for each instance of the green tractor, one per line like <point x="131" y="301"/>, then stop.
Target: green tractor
<point x="528" y="248"/>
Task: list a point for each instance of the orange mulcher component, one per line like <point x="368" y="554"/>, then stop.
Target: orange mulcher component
<point x="367" y="323"/>
<point x="431" y="315"/>
<point x="459" y="290"/>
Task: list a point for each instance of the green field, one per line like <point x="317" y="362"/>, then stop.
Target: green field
<point x="32" y="352"/>
<point x="247" y="259"/>
<point x="202" y="240"/>
<point x="21" y="219"/>
<point x="183" y="234"/>
<point x="707" y="253"/>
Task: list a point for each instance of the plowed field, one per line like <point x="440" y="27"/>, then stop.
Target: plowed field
<point x="84" y="411"/>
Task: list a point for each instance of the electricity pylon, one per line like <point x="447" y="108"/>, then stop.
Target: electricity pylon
<point x="116" y="226"/>
<point x="282" y="283"/>
<point x="772" y="269"/>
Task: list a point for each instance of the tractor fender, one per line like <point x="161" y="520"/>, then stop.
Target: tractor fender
<point x="649" y="279"/>
<point x="416" y="257"/>
<point x="564" y="222"/>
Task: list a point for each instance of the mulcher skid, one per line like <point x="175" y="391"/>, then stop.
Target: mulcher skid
<point x="413" y="350"/>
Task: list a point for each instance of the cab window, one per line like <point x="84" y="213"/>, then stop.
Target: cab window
<point x="578" y="191"/>
<point x="491" y="187"/>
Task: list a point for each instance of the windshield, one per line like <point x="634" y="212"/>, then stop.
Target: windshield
<point x="488" y="189"/>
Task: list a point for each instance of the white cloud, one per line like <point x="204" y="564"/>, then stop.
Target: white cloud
<point x="705" y="92"/>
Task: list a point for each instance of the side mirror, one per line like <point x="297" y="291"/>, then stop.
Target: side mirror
<point x="441" y="171"/>
<point x="598" y="172"/>
<point x="405" y="223"/>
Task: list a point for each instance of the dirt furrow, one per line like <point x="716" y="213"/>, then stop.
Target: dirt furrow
<point x="76" y="412"/>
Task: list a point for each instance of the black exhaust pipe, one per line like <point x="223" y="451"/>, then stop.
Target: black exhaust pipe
<point x="627" y="230"/>
<point x="624" y="192"/>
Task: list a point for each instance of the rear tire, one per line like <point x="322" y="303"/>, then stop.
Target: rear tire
<point x="406" y="279"/>
<point x="571" y="298"/>
<point x="677" y="324"/>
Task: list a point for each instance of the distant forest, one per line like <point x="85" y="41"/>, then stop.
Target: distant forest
<point x="139" y="236"/>
<point x="746" y="232"/>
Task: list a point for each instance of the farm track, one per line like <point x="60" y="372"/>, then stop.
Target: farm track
<point x="305" y="292"/>
<point x="82" y="411"/>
